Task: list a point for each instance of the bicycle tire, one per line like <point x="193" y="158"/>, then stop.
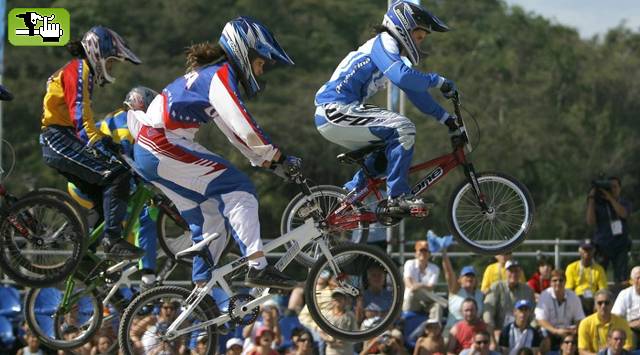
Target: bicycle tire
<point x="153" y="296"/>
<point x="173" y="235"/>
<point x="328" y="198"/>
<point x="51" y="223"/>
<point x="36" y="318"/>
<point x="518" y="212"/>
<point x="355" y="272"/>
<point x="66" y="198"/>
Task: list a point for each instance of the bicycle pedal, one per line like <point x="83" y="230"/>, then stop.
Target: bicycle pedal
<point x="419" y="212"/>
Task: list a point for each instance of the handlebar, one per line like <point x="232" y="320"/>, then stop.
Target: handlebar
<point x="462" y="138"/>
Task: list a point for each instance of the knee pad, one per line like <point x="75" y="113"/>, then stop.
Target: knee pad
<point x="406" y="134"/>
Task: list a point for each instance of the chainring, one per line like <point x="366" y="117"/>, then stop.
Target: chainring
<point x="240" y="300"/>
<point x="383" y="215"/>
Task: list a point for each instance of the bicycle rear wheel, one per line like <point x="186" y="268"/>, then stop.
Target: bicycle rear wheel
<point x="506" y="222"/>
<point x="173" y="232"/>
<point x="86" y="317"/>
<point x="41" y="241"/>
<point x="145" y="321"/>
<point x="327" y="198"/>
<point x="337" y="289"/>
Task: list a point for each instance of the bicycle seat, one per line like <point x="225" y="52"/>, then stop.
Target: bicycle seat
<point x="356" y="156"/>
<point x="198" y="248"/>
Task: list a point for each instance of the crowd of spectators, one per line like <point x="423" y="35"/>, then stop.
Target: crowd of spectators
<point x="577" y="310"/>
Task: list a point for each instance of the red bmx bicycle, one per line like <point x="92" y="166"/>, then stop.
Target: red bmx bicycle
<point x="489" y="212"/>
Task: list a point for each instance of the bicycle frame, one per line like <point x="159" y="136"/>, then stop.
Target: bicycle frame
<point x="298" y="238"/>
<point x="136" y="204"/>
<point x="441" y="165"/>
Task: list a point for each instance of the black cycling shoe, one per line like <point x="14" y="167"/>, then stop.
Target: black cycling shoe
<point x="408" y="205"/>
<point x="269" y="277"/>
<point x="120" y="250"/>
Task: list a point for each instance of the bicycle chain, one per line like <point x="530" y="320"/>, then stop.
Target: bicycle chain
<point x="239" y="300"/>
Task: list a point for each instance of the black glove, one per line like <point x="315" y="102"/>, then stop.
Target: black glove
<point x="452" y="123"/>
<point x="448" y="88"/>
<point x="287" y="167"/>
<point x="5" y="95"/>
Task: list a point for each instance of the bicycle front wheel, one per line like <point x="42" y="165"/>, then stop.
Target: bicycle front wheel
<point x="145" y="321"/>
<point x="41" y="241"/>
<point x="64" y="329"/>
<point x="339" y="289"/>
<point x="327" y="198"/>
<point x="505" y="222"/>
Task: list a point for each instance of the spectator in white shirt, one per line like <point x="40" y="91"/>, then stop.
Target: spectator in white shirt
<point x="420" y="277"/>
<point x="559" y="310"/>
<point x="627" y="304"/>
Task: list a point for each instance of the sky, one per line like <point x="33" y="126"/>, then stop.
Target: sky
<point x="590" y="17"/>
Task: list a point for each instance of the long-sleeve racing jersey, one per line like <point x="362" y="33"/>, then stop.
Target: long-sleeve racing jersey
<point x="206" y="94"/>
<point x="365" y="71"/>
<point x="68" y="100"/>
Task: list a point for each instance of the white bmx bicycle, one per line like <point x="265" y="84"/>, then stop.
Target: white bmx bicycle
<point x="339" y="280"/>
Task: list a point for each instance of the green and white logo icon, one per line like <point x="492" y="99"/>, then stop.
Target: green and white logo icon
<point x="38" y="26"/>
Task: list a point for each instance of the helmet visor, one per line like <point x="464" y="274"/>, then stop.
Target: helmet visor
<point x="428" y="22"/>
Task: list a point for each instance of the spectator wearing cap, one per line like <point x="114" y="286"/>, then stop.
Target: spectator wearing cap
<point x="374" y="293"/>
<point x="460" y="288"/>
<point x="541" y="279"/>
<point x="519" y="334"/>
<point x="481" y="345"/>
<point x="420" y="277"/>
<point x="372" y="316"/>
<point x="593" y="331"/>
<point x="263" y="342"/>
<point x="234" y="346"/>
<point x="498" y="303"/>
<point x="559" y="310"/>
<point x="342" y="318"/>
<point x="497" y="272"/>
<point x="586" y="277"/>
<point x="615" y="343"/>
<point x="430" y="341"/>
<point x="462" y="333"/>
<point x="627" y="304"/>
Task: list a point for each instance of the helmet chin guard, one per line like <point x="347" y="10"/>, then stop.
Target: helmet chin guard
<point x="403" y="18"/>
<point x="244" y="37"/>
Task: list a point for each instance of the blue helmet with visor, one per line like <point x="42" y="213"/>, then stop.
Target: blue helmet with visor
<point x="244" y="38"/>
<point x="403" y="17"/>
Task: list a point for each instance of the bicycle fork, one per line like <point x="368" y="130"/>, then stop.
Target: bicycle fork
<point x="470" y="173"/>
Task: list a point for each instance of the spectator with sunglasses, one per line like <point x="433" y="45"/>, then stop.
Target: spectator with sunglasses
<point x="420" y="277"/>
<point x="304" y="344"/>
<point x="568" y="346"/>
<point x="559" y="310"/>
<point x="594" y="330"/>
<point x="480" y="345"/>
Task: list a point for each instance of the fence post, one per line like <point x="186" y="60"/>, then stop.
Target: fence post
<point x="556" y="252"/>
